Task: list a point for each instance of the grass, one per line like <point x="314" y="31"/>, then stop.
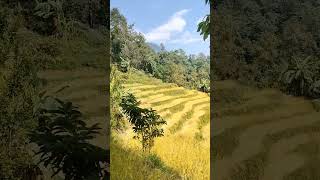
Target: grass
<point x="84" y="49"/>
<point x="159" y="103"/>
<point x="224" y="143"/>
<point x="252" y="106"/>
<point x="88" y="97"/>
<point x="250" y="169"/>
<point x="135" y="76"/>
<point x="253" y="168"/>
<point x="166" y="93"/>
<point x="247" y="108"/>
<point x="175" y="93"/>
<point x="204" y="119"/>
<point x="187" y="116"/>
<point x="156" y="88"/>
<point x="310" y="170"/>
<point x="179" y="152"/>
<point x="177" y="126"/>
<point x="131" y="164"/>
<point x="189" y="159"/>
<point x="177" y="108"/>
<point x="173" y="109"/>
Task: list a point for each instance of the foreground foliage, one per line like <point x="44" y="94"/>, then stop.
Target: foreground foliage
<point x="63" y="137"/>
<point x="146" y="122"/>
<point x="18" y="86"/>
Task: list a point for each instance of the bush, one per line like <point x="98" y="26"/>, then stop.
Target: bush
<point x="63" y="137"/>
<point x="146" y="122"/>
<point x="17" y="95"/>
<point x="316" y="104"/>
<point x="116" y="92"/>
<point x="155" y="162"/>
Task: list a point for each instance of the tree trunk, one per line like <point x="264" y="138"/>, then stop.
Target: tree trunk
<point x="55" y="25"/>
<point x="90" y="14"/>
<point x="106" y="5"/>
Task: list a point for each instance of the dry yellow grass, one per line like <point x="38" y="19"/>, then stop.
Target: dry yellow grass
<point x="133" y="165"/>
<point x="262" y="134"/>
<point x="187" y="107"/>
<point x="189" y="127"/>
<point x="182" y="152"/>
<point x="86" y="90"/>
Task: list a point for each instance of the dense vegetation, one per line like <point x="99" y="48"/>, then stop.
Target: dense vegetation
<point x="146" y="122"/>
<point x="63" y="137"/>
<point x="37" y="36"/>
<point x="269" y="43"/>
<point x="130" y="50"/>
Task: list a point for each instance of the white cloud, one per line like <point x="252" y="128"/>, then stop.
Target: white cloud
<point x="186" y="38"/>
<point x="163" y="33"/>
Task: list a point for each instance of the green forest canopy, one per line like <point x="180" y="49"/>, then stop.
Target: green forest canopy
<point x="262" y="42"/>
<point x="129" y="49"/>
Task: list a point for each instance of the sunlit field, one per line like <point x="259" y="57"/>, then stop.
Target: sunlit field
<point x="263" y="134"/>
<point x="184" y="149"/>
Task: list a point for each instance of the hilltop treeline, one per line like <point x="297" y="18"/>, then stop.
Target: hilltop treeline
<point x="270" y="43"/>
<point x="129" y="49"/>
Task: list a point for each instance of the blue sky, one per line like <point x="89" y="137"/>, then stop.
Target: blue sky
<point x="171" y="22"/>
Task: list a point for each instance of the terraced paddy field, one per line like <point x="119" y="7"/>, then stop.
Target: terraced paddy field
<point x="263" y="135"/>
<point x="185" y="147"/>
<point x="85" y="88"/>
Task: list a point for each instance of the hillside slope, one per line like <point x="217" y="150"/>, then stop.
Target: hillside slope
<point x="85" y="88"/>
<point x="263" y="134"/>
<point x="185" y="148"/>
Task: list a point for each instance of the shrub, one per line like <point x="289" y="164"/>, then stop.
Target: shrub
<point x="17" y="92"/>
<point x="298" y="75"/>
<point x="63" y="137"/>
<point x="316" y="104"/>
<point x="116" y="92"/>
<point x="155" y="162"/>
<point x="146" y="122"/>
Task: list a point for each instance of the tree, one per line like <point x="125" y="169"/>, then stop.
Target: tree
<point x="314" y="89"/>
<point x="90" y="15"/>
<point x="162" y="47"/>
<point x="251" y="38"/>
<point x="63" y="137"/>
<point x="204" y="26"/>
<point x="146" y="122"/>
<point x="298" y="75"/>
<point x="116" y="92"/>
<point x="119" y="33"/>
<point x="130" y="49"/>
<point x="52" y="11"/>
<point x="124" y="65"/>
